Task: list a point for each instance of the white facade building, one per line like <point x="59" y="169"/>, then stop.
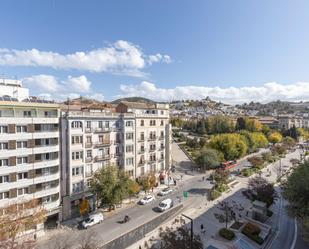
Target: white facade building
<point x="13" y="89"/>
<point x="29" y="155"/>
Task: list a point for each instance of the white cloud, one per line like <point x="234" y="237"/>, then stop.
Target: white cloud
<point x="121" y="57"/>
<point x="231" y="95"/>
<point x="51" y="88"/>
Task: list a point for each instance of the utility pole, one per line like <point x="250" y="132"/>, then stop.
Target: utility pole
<point x="191" y="220"/>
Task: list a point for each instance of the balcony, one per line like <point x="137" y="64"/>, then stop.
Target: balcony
<point x="88" y="159"/>
<point x="88" y="145"/>
<point x="152" y="149"/>
<point x="161" y="148"/>
<point x="101" y="158"/>
<point x="88" y="130"/>
<point x="152" y="160"/>
<point x="141" y="139"/>
<point x="141" y="151"/>
<point x="141" y="163"/>
<point x="103" y="129"/>
<point x="161" y="138"/>
<point x="102" y="143"/>
<point x="153" y="138"/>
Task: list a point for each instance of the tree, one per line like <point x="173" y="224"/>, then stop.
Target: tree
<point x="253" y="124"/>
<point x="152" y="180"/>
<point x="254" y="140"/>
<point x="220" y="124"/>
<point x="134" y="188"/>
<point x="229" y="210"/>
<point x="221" y="177"/>
<point x="145" y="184"/>
<point x="264" y="190"/>
<point x="18" y="218"/>
<point x="279" y="149"/>
<point x="275" y="137"/>
<point x="288" y="142"/>
<point x="84" y="207"/>
<point x="175" y="238"/>
<point x="209" y="158"/>
<point x="232" y="146"/>
<point x="110" y="185"/>
<point x="256" y="161"/>
<point x="240" y="124"/>
<point x="202" y="142"/>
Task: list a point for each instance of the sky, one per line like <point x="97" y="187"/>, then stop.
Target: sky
<point x="232" y="51"/>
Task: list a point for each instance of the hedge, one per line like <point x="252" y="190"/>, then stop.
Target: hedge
<point x="252" y="231"/>
<point x="227" y="234"/>
<point x="214" y="194"/>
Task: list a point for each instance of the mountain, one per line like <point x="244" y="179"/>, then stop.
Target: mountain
<point x="133" y="99"/>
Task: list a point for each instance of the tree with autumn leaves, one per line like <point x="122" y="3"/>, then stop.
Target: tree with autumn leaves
<point x="18" y="218"/>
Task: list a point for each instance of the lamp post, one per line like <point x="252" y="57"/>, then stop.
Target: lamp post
<point x="191" y="220"/>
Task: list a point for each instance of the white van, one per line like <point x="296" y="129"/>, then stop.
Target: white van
<point x="92" y="220"/>
<point x="166" y="204"/>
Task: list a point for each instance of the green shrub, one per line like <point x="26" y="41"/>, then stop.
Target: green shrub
<point x="252" y="231"/>
<point x="222" y="188"/>
<point x="214" y="194"/>
<point x="227" y="234"/>
<point x="269" y="213"/>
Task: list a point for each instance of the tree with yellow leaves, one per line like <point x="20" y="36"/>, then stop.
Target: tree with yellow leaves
<point x="18" y="218"/>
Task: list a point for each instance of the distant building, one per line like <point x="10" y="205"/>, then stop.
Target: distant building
<point x="271" y="122"/>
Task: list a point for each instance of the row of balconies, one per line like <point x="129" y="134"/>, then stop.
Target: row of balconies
<point x="98" y="130"/>
<point x="153" y="138"/>
<point x="32" y="143"/>
<point x="152" y="160"/>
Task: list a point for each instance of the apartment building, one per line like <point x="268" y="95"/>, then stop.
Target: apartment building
<point x="136" y="141"/>
<point x="92" y="139"/>
<point x="29" y="150"/>
<point x="288" y="121"/>
<point x="152" y="136"/>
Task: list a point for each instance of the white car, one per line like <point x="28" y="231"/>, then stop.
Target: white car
<point x="92" y="220"/>
<point x="147" y="199"/>
<point x="165" y="191"/>
<point x="166" y="204"/>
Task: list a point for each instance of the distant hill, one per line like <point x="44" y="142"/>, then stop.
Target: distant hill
<point x="133" y="99"/>
<point x="83" y="101"/>
<point x="280" y="107"/>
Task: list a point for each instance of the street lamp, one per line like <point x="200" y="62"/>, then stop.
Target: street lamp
<point x="191" y="220"/>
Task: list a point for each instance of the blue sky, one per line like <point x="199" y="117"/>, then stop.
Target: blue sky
<point x="233" y="51"/>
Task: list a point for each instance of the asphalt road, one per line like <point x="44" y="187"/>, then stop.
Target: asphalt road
<point x="110" y="228"/>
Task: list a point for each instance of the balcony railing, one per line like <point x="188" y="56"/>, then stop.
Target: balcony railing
<point x="152" y="138"/>
<point x="141" y="151"/>
<point x="141" y="139"/>
<point x="88" y="159"/>
<point x="102" y="143"/>
<point x="103" y="129"/>
<point x="140" y="163"/>
<point x="101" y="158"/>
<point x="161" y="148"/>
<point x="152" y="149"/>
<point x="88" y="130"/>
<point x="161" y="138"/>
<point x="88" y="145"/>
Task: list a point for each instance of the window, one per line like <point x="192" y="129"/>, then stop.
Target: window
<point x="152" y="147"/>
<point x="4" y="146"/>
<point x="88" y="124"/>
<point x="101" y="139"/>
<point x="162" y="134"/>
<point x="77" y="155"/>
<point x="129" y="161"/>
<point x="4" y="195"/>
<point x="162" y="145"/>
<point x="89" y="169"/>
<point x="152" y="122"/>
<point x="4" y="179"/>
<point x="142" y="122"/>
<point x="27" y="113"/>
<point x="162" y="155"/>
<point x="88" y="140"/>
<point x="162" y="112"/>
<point x="76" y="124"/>
<point x="21" y="144"/>
<point x="23" y="175"/>
<point x="22" y="160"/>
<point x="129" y="123"/>
<point x="162" y="122"/>
<point x="130" y="173"/>
<point x="46" y="199"/>
<point x="77" y="187"/>
<point x="22" y="191"/>
<point x="100" y="124"/>
<point x="77" y="139"/>
<point x="129" y="148"/>
<point x="129" y="136"/>
<point x="76" y="171"/>
<point x="106" y="124"/>
<point x="3" y="129"/>
<point x="21" y="128"/>
<point x="89" y="153"/>
<point x="4" y="162"/>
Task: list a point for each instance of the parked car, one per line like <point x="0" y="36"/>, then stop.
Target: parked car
<point x="165" y="205"/>
<point x="92" y="220"/>
<point x="165" y="191"/>
<point x="147" y="199"/>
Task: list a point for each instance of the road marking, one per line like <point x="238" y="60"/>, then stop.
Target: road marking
<point x="295" y="234"/>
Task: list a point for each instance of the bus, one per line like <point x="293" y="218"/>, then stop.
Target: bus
<point x="228" y="165"/>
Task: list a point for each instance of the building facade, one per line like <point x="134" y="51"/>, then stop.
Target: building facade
<point x="29" y="153"/>
<point x="135" y="140"/>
